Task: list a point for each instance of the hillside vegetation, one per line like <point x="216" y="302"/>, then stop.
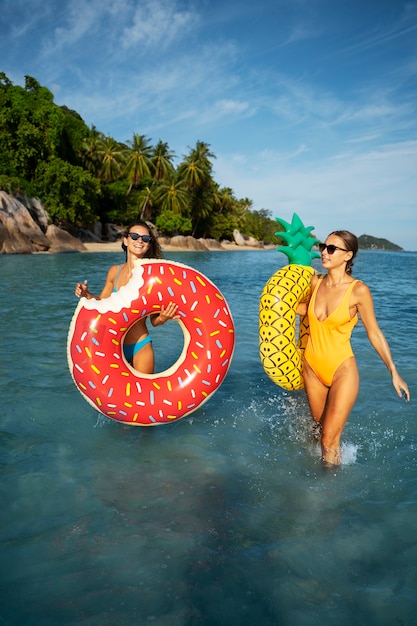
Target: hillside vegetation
<point x="83" y="176"/>
<point x="366" y="242"/>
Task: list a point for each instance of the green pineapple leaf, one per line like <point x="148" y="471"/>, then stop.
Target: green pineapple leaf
<point x="299" y="241"/>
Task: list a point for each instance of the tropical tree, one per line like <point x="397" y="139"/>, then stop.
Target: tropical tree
<point x="69" y="192"/>
<point x="172" y="195"/>
<point x="138" y="160"/>
<point x="91" y="152"/>
<point x="223" y="217"/>
<point x="196" y="168"/>
<point x="162" y="168"/>
<point x="171" y="223"/>
<point x="111" y="155"/>
<point x="161" y="159"/>
<point x="196" y="172"/>
<point x="260" y="225"/>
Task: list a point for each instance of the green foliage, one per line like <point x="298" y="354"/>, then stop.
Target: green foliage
<point x="367" y="242"/>
<point x="170" y="223"/>
<point x="115" y="207"/>
<point x="12" y="185"/>
<point x="69" y="192"/>
<point x="82" y="176"/>
<point x="222" y="226"/>
<point x="260" y="225"/>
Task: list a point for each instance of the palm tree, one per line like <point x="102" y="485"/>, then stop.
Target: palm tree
<point x="172" y="194"/>
<point x="162" y="167"/>
<point x="161" y="160"/>
<point x="196" y="171"/>
<point x="138" y="160"/>
<point x="111" y="156"/>
<point x="243" y="209"/>
<point x="89" y="152"/>
<point x="196" y="167"/>
<point x="223" y="199"/>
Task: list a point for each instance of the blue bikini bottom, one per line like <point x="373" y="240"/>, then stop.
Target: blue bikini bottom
<point x="130" y="349"/>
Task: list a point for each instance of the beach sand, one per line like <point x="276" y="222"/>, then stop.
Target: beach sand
<point x="116" y="247"/>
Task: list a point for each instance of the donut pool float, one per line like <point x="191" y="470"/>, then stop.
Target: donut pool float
<point x="95" y="345"/>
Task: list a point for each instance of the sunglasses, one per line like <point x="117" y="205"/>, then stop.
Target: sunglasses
<point x="136" y="236"/>
<point x="331" y="249"/>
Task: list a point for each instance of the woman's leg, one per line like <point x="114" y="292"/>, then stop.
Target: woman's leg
<point x="316" y="393"/>
<point x="340" y="401"/>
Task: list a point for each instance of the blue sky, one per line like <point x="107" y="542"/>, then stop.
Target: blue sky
<point x="309" y="105"/>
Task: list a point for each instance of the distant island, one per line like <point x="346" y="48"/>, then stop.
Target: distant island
<point x="367" y="242"/>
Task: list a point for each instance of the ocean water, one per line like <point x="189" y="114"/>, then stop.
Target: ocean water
<point x="226" y="516"/>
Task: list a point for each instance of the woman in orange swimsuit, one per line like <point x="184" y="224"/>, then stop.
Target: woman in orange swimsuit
<point x="139" y="242"/>
<point x="330" y="372"/>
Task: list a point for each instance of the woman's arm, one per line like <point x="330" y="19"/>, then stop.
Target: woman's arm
<point x="169" y="313"/>
<point x="302" y="307"/>
<point x="365" y="306"/>
<point x="81" y="289"/>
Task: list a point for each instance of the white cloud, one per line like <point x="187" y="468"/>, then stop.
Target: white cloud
<point x="304" y="127"/>
<point x="82" y="16"/>
<point x="158" y="23"/>
<point x="366" y="193"/>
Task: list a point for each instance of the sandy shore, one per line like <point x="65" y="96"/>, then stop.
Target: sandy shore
<point x="116" y="247"/>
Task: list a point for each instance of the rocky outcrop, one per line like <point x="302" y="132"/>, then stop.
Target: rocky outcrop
<point x="61" y="241"/>
<point x="24" y="228"/>
<point x="245" y="240"/>
<point x="19" y="232"/>
<point x="187" y="243"/>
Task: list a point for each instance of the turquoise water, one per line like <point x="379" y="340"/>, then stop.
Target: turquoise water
<point x="224" y="517"/>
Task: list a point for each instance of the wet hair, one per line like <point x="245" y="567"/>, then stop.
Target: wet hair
<point x="154" y="249"/>
<point x="351" y="244"/>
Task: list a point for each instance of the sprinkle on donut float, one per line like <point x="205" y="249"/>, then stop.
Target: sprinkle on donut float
<point x="95" y="340"/>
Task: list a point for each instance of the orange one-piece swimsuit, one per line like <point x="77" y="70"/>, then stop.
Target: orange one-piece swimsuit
<point x="328" y="345"/>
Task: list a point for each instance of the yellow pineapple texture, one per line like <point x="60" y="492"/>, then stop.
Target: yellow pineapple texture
<point x="281" y="352"/>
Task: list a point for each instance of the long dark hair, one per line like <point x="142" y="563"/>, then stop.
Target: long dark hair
<point x="154" y="249"/>
<point x="351" y="244"/>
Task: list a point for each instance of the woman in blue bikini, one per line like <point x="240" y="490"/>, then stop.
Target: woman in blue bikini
<point x="139" y="242"/>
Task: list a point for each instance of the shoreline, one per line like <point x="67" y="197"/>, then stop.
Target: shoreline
<point x="115" y="246"/>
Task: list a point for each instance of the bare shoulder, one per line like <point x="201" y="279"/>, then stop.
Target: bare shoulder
<point x="315" y="279"/>
<point x="361" y="291"/>
<point x="112" y="271"/>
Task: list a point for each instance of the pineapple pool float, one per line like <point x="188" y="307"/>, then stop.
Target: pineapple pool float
<point x="281" y="353"/>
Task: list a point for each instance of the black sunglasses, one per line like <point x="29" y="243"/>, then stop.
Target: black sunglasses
<point x="331" y="249"/>
<point x="136" y="236"/>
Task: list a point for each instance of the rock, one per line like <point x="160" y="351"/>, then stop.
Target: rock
<point x="36" y="210"/>
<point x="226" y="244"/>
<point x="253" y="243"/>
<point x="212" y="244"/>
<point x="189" y="243"/>
<point x="112" y="232"/>
<point x="19" y="233"/>
<point x="246" y="240"/>
<point x="62" y="241"/>
<point x="24" y="228"/>
<point x="89" y="234"/>
<point x="238" y="238"/>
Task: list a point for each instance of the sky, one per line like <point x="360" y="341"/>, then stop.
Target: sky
<point x="310" y="106"/>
